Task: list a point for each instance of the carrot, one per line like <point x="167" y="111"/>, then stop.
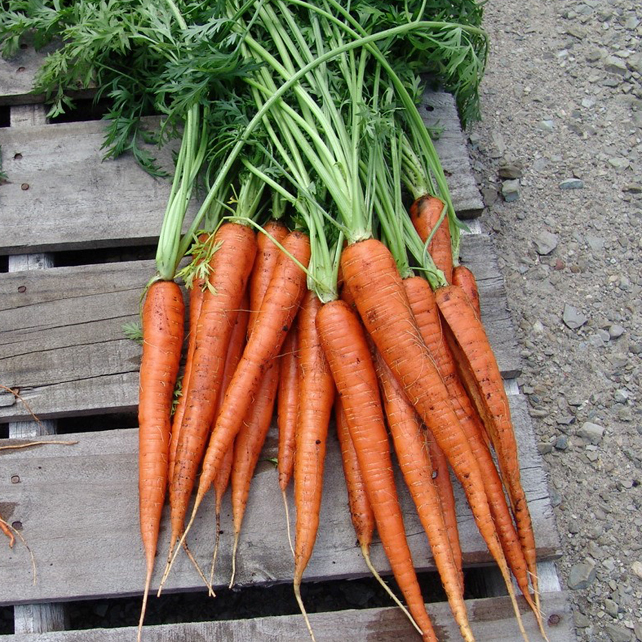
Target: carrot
<point x="266" y="256"/>
<point x="484" y="384"/>
<point x="163" y="325"/>
<point x="230" y="269"/>
<point x="414" y="461"/>
<point x="424" y="214"/>
<point x="234" y="352"/>
<point x="348" y="355"/>
<point x="4" y="527"/>
<point x="316" y="397"/>
<point x="361" y="513"/>
<point x="423" y="304"/>
<point x="371" y="274"/>
<point x="288" y="404"/>
<point x="465" y="279"/>
<point x="441" y="478"/>
<point x="247" y="448"/>
<point x="196" y="295"/>
<point x="251" y="437"/>
<point x="280" y="305"/>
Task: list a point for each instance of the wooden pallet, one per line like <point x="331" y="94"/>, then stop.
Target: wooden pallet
<point x="61" y="345"/>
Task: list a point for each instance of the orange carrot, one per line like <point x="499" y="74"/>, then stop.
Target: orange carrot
<point x="424" y="306"/>
<point x="4" y="527"/>
<point x="266" y="257"/>
<point x="251" y="436"/>
<point x="348" y="355"/>
<point x="360" y="508"/>
<point x="316" y="397"/>
<point x="441" y="478"/>
<point x="196" y="295"/>
<point x="414" y="461"/>
<point x="234" y="352"/>
<point x="425" y="213"/>
<point x="361" y="513"/>
<point x="370" y="272"/>
<point x="288" y="404"/>
<point x="163" y="325"/>
<point x="280" y="305"/>
<point x="247" y="448"/>
<point x="231" y="267"/>
<point x="465" y="279"/>
<point x="484" y="384"/>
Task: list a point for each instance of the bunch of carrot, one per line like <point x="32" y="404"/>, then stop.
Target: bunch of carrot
<point x="325" y="276"/>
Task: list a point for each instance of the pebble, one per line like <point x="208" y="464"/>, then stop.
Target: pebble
<point x="572" y="317"/>
<point x="581" y="621"/>
<point x="547" y="125"/>
<point x="616" y="331"/>
<point x="510" y="170"/>
<point x="593" y="433"/>
<point x="596" y="243"/>
<point x="619" y="163"/>
<point x="621" y="396"/>
<point x="611" y="607"/>
<point x="636" y="567"/>
<point x="545" y="242"/>
<point x="561" y="443"/>
<point x="581" y="576"/>
<point x="510" y="190"/>
<point x="617" y="633"/>
<point x="615" y="65"/>
<point x="572" y="183"/>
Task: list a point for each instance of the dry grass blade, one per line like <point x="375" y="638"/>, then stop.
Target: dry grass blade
<point x="29" y="444"/>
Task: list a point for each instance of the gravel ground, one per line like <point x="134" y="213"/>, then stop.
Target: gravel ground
<point x="558" y="156"/>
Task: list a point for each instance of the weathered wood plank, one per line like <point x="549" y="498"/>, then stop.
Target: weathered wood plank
<point x="439" y="112"/>
<point x="59" y="187"/>
<point x="62" y="345"/>
<point x="490" y="618"/>
<point x="17" y="76"/>
<point x="69" y="499"/>
<point x="75" y="200"/>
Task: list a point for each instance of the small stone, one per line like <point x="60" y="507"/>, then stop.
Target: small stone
<point x="581" y="621"/>
<point x="619" y="163"/>
<point x="633" y="188"/>
<point x="561" y="443"/>
<point x="636" y="567"/>
<point x="596" y="243"/>
<point x="510" y="190"/>
<point x="489" y="194"/>
<point x="615" y="65"/>
<point x="543" y="448"/>
<point x="593" y="433"/>
<point x="538" y="327"/>
<point x="617" y="633"/>
<point x="572" y="317"/>
<point x="511" y="170"/>
<point x="621" y="396"/>
<point x="581" y="576"/>
<point x="572" y="183"/>
<point x="545" y="242"/>
<point x="547" y="126"/>
<point x="611" y="608"/>
<point x="616" y="331"/>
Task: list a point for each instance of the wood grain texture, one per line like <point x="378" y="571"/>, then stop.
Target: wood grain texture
<point x="439" y="112"/>
<point x="75" y="200"/>
<point x="62" y="344"/>
<point x="79" y="509"/>
<point x="491" y="619"/>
